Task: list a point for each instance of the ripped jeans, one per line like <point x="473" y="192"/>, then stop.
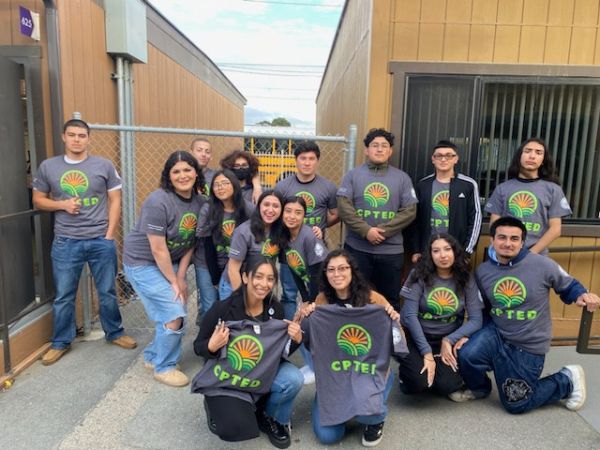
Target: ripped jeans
<point x="517" y="372"/>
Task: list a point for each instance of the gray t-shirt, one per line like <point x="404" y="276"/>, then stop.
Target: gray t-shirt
<point x="534" y="202"/>
<point x="163" y="214"/>
<point x="440" y="311"/>
<point x="319" y="194"/>
<point x="90" y="180"/>
<point x="304" y="251"/>
<point x="440" y="206"/>
<point x="351" y="350"/>
<point x="377" y="196"/>
<point x="518" y="294"/>
<point x="209" y="174"/>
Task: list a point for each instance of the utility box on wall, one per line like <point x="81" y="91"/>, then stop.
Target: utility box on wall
<point x="126" y="29"/>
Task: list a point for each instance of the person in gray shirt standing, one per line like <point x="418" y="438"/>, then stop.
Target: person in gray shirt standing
<point x="515" y="283"/>
<point x="376" y="202"/>
<point x="84" y="192"/>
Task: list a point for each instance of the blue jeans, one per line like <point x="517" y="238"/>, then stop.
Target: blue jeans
<point x="207" y="294"/>
<point x="516" y="372"/>
<point x="331" y="434"/>
<point x="225" y="288"/>
<point x="307" y="357"/>
<point x="290" y="291"/>
<point x="286" y="385"/>
<point x="157" y="295"/>
<point x="68" y="257"/>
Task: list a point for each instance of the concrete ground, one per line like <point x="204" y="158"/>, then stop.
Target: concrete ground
<point x="99" y="396"/>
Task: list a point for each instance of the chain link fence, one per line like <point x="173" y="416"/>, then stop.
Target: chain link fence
<point x="140" y="162"/>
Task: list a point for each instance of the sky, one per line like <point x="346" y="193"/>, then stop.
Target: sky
<point x="274" y="51"/>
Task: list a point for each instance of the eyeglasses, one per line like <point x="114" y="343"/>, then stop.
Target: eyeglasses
<point x="223" y="185"/>
<point x="241" y="166"/>
<point x="447" y="156"/>
<point x="341" y="269"/>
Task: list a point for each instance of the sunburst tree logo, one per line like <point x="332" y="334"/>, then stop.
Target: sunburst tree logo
<point x="376" y="194"/>
<point x="227" y="230"/>
<point x="354" y="339"/>
<point x="510" y="292"/>
<point x="74" y="182"/>
<point x="296" y="263"/>
<point x="244" y="353"/>
<point x="441" y="203"/>
<point x="522" y="204"/>
<point x="442" y="301"/>
<point x="269" y="249"/>
<point x="187" y="225"/>
<point x="309" y="199"/>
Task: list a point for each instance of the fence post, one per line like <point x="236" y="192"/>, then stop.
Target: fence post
<point x="351" y="156"/>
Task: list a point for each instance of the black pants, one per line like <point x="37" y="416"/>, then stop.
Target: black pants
<point x="446" y="380"/>
<point x="234" y="418"/>
<point x="384" y="272"/>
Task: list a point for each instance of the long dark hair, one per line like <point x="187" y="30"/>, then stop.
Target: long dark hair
<point x="278" y="235"/>
<point x="216" y="208"/>
<point x="174" y="158"/>
<point x="547" y="170"/>
<point x="425" y="269"/>
<point x="360" y="291"/>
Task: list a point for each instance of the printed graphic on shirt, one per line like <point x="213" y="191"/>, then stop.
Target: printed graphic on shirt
<point x="269" y="249"/>
<point x="244" y="353"/>
<point x="74" y="182"/>
<point x="354" y="339"/>
<point x="510" y="291"/>
<point x="297" y="264"/>
<point x="442" y="301"/>
<point x="226" y="231"/>
<point x="522" y="204"/>
<point x="376" y="194"/>
<point x="441" y="203"/>
<point x="309" y="199"/>
<point x="187" y="225"/>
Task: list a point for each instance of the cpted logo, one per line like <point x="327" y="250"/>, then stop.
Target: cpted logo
<point x="510" y="292"/>
<point x="296" y="263"/>
<point x="309" y="199"/>
<point x="187" y="225"/>
<point x="227" y="230"/>
<point x="74" y="183"/>
<point x="441" y="203"/>
<point x="522" y="204"/>
<point x="354" y="340"/>
<point x="442" y="301"/>
<point x="376" y="194"/>
<point x="269" y="249"/>
<point x="244" y="353"/>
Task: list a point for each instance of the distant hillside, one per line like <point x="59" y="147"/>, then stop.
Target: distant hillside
<point x="253" y="116"/>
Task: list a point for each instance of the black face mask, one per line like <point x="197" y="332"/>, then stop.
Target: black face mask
<point x="241" y="174"/>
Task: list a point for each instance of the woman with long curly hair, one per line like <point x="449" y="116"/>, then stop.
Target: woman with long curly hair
<point x="436" y="295"/>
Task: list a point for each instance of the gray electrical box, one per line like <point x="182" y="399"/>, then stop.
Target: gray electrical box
<point x="126" y="29"/>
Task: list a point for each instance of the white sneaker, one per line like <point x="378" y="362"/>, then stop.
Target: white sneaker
<point x="461" y="396"/>
<point x="576" y="374"/>
<point x="308" y="374"/>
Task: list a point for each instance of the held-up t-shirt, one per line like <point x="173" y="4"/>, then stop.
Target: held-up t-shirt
<point x="437" y="310"/>
<point x="440" y="207"/>
<point x="247" y="365"/>
<point x="305" y="251"/>
<point x="90" y="180"/>
<point x="163" y="214"/>
<point x="319" y="195"/>
<point x="351" y="349"/>
<point x="518" y="294"/>
<point x="377" y="197"/>
<point x="533" y="202"/>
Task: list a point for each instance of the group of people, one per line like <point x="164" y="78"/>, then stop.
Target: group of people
<point x="243" y="241"/>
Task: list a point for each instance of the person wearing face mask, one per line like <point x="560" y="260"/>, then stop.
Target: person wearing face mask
<point x="245" y="167"/>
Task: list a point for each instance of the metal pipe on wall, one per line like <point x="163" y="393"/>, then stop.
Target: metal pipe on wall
<point x="122" y="141"/>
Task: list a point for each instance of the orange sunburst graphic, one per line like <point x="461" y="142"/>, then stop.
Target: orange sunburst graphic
<point x="376" y="194"/>
<point x="441" y="203"/>
<point x="442" y="301"/>
<point x="74" y="182"/>
<point x="187" y="225"/>
<point x="244" y="352"/>
<point x="227" y="229"/>
<point x="354" y="339"/>
<point x="269" y="249"/>
<point x="309" y="199"/>
<point x="522" y="204"/>
<point x="510" y="291"/>
<point x="296" y="263"/>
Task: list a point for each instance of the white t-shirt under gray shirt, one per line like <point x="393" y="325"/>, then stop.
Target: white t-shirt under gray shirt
<point x="90" y="180"/>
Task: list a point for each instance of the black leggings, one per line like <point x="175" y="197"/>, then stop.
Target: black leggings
<point x="234" y="418"/>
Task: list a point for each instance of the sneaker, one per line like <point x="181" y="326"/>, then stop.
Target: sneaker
<point x="461" y="396"/>
<point x="308" y="374"/>
<point x="279" y="434"/>
<point x="372" y="435"/>
<point x="212" y="426"/>
<point x="125" y="341"/>
<point x="576" y="398"/>
<point x="174" y="378"/>
<point x="53" y="355"/>
<point x="148" y="365"/>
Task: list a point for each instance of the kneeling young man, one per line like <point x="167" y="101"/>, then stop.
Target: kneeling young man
<point x="515" y="283"/>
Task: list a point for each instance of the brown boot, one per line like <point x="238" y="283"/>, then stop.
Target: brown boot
<point x="53" y="355"/>
<point x="125" y="341"/>
<point x="175" y="378"/>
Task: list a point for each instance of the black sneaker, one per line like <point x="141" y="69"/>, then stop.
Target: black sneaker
<point x="372" y="435"/>
<point x="211" y="425"/>
<point x="279" y="434"/>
